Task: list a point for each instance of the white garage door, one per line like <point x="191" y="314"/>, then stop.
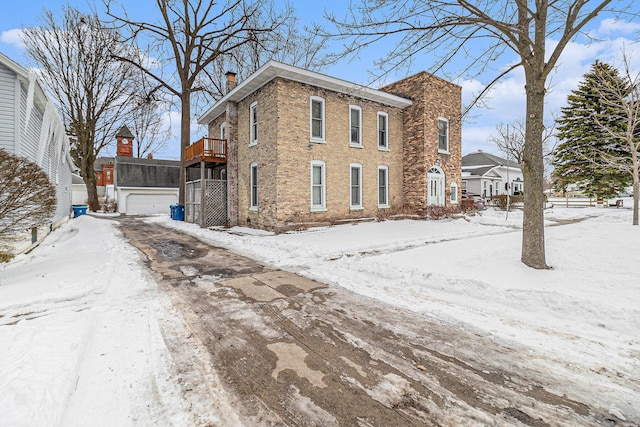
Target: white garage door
<point x="144" y="204"/>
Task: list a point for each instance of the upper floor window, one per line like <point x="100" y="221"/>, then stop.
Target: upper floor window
<point x="318" y="186"/>
<point x="223" y="130"/>
<point x="383" y="133"/>
<point x="443" y="135"/>
<point x="317" y="119"/>
<point x="356" y="186"/>
<point x="355" y="122"/>
<point x="253" y="137"/>
<point x="253" y="203"/>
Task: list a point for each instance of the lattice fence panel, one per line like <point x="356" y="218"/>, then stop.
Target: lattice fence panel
<point x="216" y="199"/>
<point x="192" y="202"/>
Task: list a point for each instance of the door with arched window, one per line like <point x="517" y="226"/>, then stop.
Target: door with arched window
<point x="435" y="187"/>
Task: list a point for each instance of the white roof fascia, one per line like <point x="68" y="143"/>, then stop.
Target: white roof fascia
<point x="274" y="69"/>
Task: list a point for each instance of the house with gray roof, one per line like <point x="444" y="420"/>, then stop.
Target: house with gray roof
<point x="489" y="175"/>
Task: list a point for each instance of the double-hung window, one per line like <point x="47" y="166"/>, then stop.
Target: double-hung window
<point x="223" y="130"/>
<point x="383" y="187"/>
<point x="443" y="135"/>
<point x="253" y="203"/>
<point x="383" y="131"/>
<point x="318" y="186"/>
<point x="317" y="119"/>
<point x="453" y="193"/>
<point x="253" y="119"/>
<point x="355" y="126"/>
<point x="356" y="186"/>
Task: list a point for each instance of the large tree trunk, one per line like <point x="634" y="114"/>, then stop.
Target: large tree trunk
<point x="533" y="249"/>
<point x="89" y="177"/>
<point x="185" y="134"/>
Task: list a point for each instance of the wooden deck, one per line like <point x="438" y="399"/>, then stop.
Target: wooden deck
<point x="206" y="150"/>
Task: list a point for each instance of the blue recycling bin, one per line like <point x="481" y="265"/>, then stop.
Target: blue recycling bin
<point x="79" y="210"/>
<point x="177" y="212"/>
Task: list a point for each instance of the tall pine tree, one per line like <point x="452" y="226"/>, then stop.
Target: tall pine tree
<point x="578" y="159"/>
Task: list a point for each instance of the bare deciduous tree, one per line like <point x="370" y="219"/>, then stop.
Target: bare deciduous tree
<point x="148" y="125"/>
<point x="287" y="44"/>
<point x="91" y="90"/>
<point x="27" y="199"/>
<point x="510" y="139"/>
<point x="625" y="100"/>
<point x="189" y="36"/>
<point x="479" y="32"/>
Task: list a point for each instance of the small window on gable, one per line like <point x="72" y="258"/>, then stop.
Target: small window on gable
<point x="253" y="137"/>
<point x="317" y="122"/>
<point x="443" y="135"/>
<point x="355" y="126"/>
<point x="223" y="130"/>
<point x="383" y="132"/>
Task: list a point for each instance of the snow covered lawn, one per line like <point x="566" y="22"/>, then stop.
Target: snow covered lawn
<point x="84" y="329"/>
<point x="580" y="321"/>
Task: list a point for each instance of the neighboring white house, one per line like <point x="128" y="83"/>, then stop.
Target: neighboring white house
<point x="489" y="175"/>
<point x="30" y="127"/>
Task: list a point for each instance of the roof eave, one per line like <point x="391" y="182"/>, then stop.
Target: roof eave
<point x="274" y="69"/>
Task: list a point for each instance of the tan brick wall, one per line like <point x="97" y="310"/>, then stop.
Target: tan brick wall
<point x="284" y="151"/>
<point x="296" y="152"/>
<point x="264" y="153"/>
<point x="432" y="98"/>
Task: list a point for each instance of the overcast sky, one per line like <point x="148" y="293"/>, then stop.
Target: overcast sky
<point x="506" y="101"/>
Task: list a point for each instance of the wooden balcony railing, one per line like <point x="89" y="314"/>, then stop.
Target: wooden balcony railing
<point x="207" y="150"/>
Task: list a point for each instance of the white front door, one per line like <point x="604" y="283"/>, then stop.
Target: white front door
<point x="435" y="187"/>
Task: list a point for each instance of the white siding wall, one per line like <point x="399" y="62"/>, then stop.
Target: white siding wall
<point x="7" y="108"/>
<point x="26" y="137"/>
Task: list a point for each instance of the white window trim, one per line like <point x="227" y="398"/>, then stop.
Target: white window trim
<point x="315" y="139"/>
<point x="359" y="143"/>
<point x="438" y="135"/>
<point x="453" y="193"/>
<point x="358" y="206"/>
<point x="253" y="140"/>
<point x="386" y="189"/>
<point x="386" y="135"/>
<point x="252" y="206"/>
<point x="223" y="130"/>
<point x="323" y="206"/>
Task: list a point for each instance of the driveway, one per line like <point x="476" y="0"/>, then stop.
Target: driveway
<point x="295" y="352"/>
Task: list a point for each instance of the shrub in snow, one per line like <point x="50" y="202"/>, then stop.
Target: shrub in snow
<point x="27" y="198"/>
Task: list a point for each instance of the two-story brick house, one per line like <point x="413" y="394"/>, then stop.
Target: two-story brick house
<point x="297" y="146"/>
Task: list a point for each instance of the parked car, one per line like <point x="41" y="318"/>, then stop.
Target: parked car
<point x="478" y="202"/>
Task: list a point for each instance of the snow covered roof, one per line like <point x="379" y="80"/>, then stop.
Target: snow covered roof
<point x="480" y="158"/>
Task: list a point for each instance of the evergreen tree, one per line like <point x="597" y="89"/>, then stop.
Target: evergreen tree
<point x="579" y="157"/>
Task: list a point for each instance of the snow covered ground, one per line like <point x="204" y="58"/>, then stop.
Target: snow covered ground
<point x="84" y="323"/>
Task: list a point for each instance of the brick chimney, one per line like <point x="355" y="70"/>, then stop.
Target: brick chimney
<point x="231" y="81"/>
